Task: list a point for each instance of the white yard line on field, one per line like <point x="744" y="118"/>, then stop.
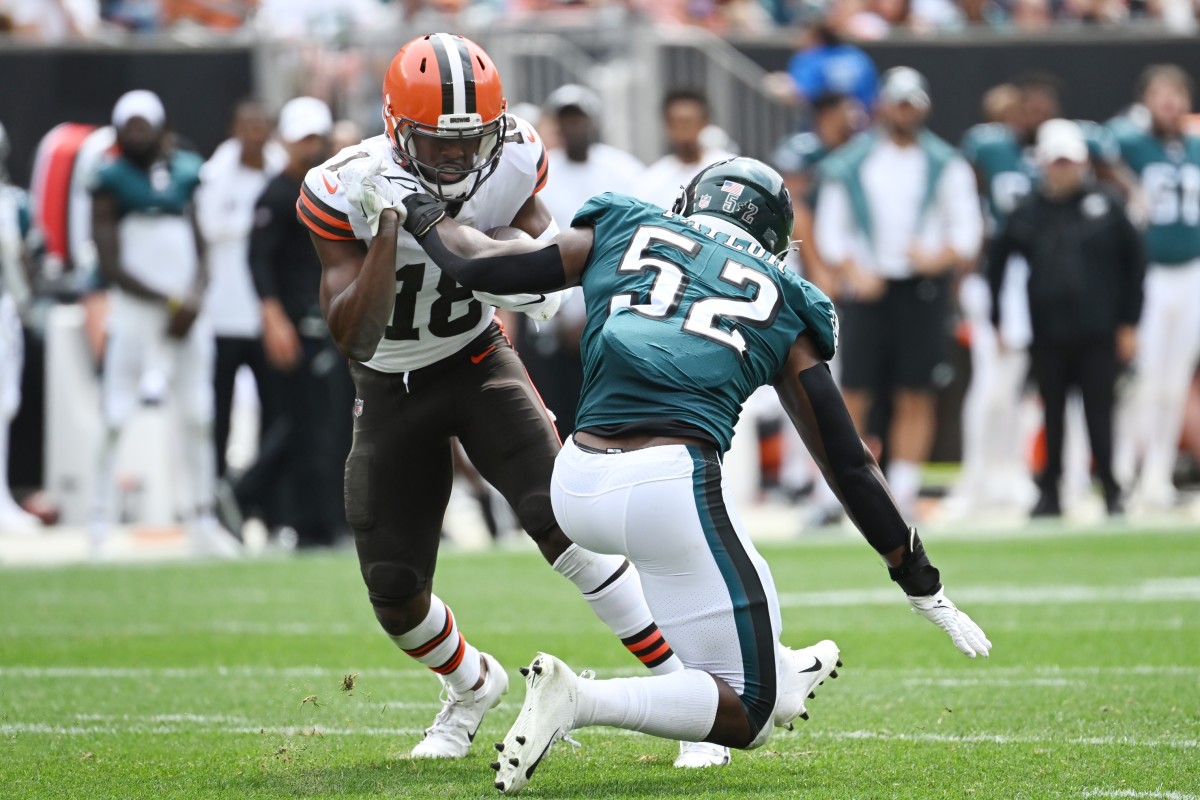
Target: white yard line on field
<point x="213" y="724"/>
<point x="157" y="729"/>
<point x="1156" y="590"/>
<point x="1005" y="739"/>
<point x="999" y="675"/>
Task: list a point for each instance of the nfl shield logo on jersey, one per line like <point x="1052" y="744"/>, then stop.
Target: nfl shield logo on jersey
<point x="358" y="407"/>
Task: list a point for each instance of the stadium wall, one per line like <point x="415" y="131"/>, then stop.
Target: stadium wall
<point x="47" y="86"/>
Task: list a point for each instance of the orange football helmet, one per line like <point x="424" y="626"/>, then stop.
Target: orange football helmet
<point x="445" y="86"/>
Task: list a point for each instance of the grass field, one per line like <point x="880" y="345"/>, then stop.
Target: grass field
<point x="227" y="680"/>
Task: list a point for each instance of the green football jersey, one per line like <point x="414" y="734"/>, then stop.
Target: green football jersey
<point x="683" y="322"/>
<point x="166" y="189"/>
<point x="1169" y="172"/>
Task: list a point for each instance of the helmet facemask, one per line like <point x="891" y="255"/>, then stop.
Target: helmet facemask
<point x="465" y="182"/>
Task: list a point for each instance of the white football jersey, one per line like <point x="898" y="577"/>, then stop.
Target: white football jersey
<point x="433" y="317"/>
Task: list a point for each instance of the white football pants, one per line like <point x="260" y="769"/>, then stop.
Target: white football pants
<point x="1151" y="416"/>
<point x="667" y="510"/>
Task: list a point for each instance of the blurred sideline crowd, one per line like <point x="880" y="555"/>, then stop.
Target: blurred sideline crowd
<point x="1064" y="254"/>
<point x="329" y="20"/>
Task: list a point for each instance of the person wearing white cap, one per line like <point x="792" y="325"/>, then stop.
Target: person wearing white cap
<point x="306" y="439"/>
<point x="151" y="257"/>
<point x="896" y="214"/>
<point x="1086" y="267"/>
<point x="580" y="167"/>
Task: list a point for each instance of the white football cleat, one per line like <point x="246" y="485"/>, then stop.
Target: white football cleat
<point x="455" y="726"/>
<point x="801" y="672"/>
<point x="547" y="717"/>
<point x="697" y="755"/>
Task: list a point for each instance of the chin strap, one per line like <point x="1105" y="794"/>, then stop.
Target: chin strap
<point x="915" y="575"/>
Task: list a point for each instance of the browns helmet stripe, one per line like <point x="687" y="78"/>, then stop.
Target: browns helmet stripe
<point x="468" y="77"/>
<point x="444" y="74"/>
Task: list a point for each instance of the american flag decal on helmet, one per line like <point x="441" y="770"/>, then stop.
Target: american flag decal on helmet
<point x="732" y="188"/>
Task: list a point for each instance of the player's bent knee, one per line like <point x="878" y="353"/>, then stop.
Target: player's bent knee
<point x="393" y="587"/>
<point x="536" y="516"/>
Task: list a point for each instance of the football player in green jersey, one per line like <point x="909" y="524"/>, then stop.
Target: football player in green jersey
<point x="1167" y="161"/>
<point x="689" y="311"/>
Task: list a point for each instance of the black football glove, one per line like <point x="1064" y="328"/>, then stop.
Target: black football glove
<point x="422" y="212"/>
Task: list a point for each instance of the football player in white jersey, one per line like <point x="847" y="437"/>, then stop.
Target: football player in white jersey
<point x="430" y="363"/>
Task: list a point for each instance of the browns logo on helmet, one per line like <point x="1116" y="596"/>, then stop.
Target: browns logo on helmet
<point x="444" y="108"/>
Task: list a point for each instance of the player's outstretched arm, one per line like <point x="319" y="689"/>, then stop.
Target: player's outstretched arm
<point x="484" y="264"/>
<point x="817" y="409"/>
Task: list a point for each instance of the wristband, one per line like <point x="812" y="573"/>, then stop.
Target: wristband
<point x="915" y="575"/>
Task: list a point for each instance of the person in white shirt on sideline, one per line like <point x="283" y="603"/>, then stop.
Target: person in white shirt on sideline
<point x="685" y="117"/>
<point x="897" y="212"/>
<point x="580" y="167"/>
<point x="230" y="183"/>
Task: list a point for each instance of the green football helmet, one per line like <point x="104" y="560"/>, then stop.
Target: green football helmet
<point x="746" y="192"/>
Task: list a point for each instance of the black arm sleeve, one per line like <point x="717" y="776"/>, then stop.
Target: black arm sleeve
<point x="538" y="271"/>
<point x="996" y="261"/>
<point x="1133" y="268"/>
<point x="264" y="242"/>
<point x="857" y="481"/>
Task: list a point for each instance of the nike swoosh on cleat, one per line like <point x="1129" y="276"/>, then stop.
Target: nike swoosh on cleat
<point x="814" y="668"/>
<point x="538" y="760"/>
<point x="483" y="355"/>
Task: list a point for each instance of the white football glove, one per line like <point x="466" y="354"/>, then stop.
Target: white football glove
<point x="539" y="307"/>
<point x="370" y="193"/>
<point x="965" y="634"/>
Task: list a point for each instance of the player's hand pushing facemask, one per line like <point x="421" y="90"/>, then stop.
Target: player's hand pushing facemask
<point x="966" y="635"/>
<point x="369" y="192"/>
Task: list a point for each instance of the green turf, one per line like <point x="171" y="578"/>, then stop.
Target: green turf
<point x="190" y="681"/>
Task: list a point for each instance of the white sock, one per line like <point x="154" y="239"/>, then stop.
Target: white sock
<point x="904" y="478"/>
<point x="611" y="586"/>
<point x="680" y="706"/>
<point x="437" y="643"/>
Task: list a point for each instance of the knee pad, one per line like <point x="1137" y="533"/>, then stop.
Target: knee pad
<point x="391" y="584"/>
<point x="536" y="514"/>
